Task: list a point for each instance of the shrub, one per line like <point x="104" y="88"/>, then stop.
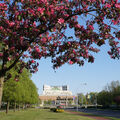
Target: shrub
<point x="59" y="110"/>
<point x="56" y="110"/>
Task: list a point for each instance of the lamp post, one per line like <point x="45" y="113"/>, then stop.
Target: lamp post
<point x="77" y="102"/>
<point x="78" y="97"/>
<point x="96" y="100"/>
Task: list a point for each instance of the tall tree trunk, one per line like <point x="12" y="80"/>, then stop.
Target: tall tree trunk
<point x="7" y="108"/>
<point x="15" y="107"/>
<point x="1" y="88"/>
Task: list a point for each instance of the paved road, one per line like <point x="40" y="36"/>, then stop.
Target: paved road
<point x="109" y="113"/>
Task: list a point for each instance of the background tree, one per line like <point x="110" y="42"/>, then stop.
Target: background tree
<point x="110" y="95"/>
<point x="117" y="100"/>
<point x="11" y="87"/>
<point x="104" y="98"/>
<point x="93" y="98"/>
<point x="81" y="99"/>
<point x="22" y="92"/>
<point x="35" y="29"/>
<point x="70" y="102"/>
<point x="114" y="89"/>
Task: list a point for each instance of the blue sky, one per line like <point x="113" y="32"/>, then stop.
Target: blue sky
<point x="96" y="75"/>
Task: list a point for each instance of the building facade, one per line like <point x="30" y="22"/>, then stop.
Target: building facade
<point x="58" y="95"/>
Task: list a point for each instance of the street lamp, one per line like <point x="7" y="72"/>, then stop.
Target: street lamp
<point x="78" y="96"/>
<point x="96" y="100"/>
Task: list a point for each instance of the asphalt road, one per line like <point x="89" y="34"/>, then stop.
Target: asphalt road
<point x="108" y="113"/>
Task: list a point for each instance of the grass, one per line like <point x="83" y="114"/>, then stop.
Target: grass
<point x="45" y="114"/>
<point x="40" y="114"/>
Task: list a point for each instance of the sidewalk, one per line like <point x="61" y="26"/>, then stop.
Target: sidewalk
<point x="87" y="115"/>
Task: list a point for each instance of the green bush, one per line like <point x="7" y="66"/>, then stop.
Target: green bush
<point x="59" y="110"/>
<point x="53" y="109"/>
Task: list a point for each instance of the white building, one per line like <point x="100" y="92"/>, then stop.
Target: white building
<point x="58" y="95"/>
<point x="56" y="90"/>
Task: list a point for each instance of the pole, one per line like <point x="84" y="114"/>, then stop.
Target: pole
<point x="78" y="99"/>
<point x="82" y="100"/>
<point x="77" y="102"/>
<point x="96" y="101"/>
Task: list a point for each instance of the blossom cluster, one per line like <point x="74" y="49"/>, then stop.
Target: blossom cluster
<point x="38" y="28"/>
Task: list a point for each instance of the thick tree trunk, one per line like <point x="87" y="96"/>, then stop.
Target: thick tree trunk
<point x="7" y="108"/>
<point x="1" y="88"/>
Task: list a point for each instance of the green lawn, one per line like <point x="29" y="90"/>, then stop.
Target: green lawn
<point x="40" y="114"/>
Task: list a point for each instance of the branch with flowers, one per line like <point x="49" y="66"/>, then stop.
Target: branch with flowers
<point x="32" y="29"/>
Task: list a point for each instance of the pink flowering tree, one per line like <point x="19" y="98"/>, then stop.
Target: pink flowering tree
<point x="32" y="29"/>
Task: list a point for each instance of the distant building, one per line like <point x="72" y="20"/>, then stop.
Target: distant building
<point x="58" y="95"/>
<point x="56" y="90"/>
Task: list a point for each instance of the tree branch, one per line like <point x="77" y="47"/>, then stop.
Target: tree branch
<point x="41" y="32"/>
<point x="53" y="25"/>
<point x="14" y="63"/>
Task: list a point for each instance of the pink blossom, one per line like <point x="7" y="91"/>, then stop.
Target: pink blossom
<point x="54" y="44"/>
<point x="41" y="10"/>
<point x="69" y="43"/>
<point x="107" y="36"/>
<point x="1" y="54"/>
<point x="9" y="58"/>
<point x="32" y="61"/>
<point x="107" y="5"/>
<point x="91" y="27"/>
<point x="52" y="11"/>
<point x="16" y="79"/>
<point x="1" y="28"/>
<point x="78" y="26"/>
<point x="70" y="62"/>
<point x="43" y="40"/>
<point x="49" y="38"/>
<point x="114" y="22"/>
<point x="74" y="52"/>
<point x="22" y="0"/>
<point x="103" y="1"/>
<point x="12" y="48"/>
<point x="37" y="49"/>
<point x="32" y="11"/>
<point x="17" y="54"/>
<point x="117" y="5"/>
<point x="36" y="69"/>
<point x="11" y="24"/>
<point x="66" y="15"/>
<point x="34" y="24"/>
<point x="61" y="20"/>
